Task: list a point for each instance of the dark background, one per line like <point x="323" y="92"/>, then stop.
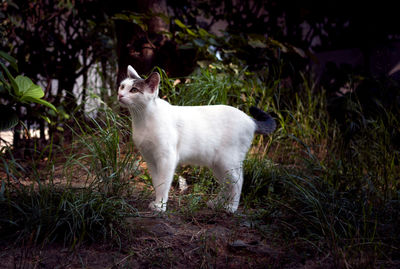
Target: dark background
<point x="337" y="42"/>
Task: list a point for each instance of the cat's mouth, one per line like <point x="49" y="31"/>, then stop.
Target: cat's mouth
<point x="122" y="102"/>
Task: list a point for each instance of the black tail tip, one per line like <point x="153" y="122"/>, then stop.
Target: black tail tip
<point x="258" y="114"/>
<point x="265" y="123"/>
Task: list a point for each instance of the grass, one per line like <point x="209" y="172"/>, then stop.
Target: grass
<point x="327" y="185"/>
<point x="317" y="185"/>
<point x="43" y="210"/>
<point x="109" y="167"/>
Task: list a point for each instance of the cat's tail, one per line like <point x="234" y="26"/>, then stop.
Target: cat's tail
<point x="265" y="123"/>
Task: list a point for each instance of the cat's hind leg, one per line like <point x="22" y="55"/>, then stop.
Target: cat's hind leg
<point x="231" y="179"/>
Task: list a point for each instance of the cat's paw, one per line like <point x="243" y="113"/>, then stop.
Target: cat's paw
<point x="159" y="207"/>
<point x="231" y="208"/>
<point x="218" y="204"/>
<point x="212" y="204"/>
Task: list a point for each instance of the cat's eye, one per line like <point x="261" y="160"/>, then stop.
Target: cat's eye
<point x="133" y="90"/>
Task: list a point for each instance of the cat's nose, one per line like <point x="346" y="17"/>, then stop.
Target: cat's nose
<point x="119" y="96"/>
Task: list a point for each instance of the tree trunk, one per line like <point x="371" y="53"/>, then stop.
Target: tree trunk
<point x="139" y="48"/>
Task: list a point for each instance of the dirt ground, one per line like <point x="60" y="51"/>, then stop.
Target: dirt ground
<point x="206" y="239"/>
<point x="175" y="239"/>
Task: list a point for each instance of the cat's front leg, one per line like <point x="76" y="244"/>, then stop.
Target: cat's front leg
<point x="162" y="176"/>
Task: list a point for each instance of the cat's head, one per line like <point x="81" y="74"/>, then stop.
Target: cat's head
<point x="135" y="91"/>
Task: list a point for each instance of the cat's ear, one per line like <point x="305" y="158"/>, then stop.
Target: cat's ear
<point x="132" y="73"/>
<point x="153" y="81"/>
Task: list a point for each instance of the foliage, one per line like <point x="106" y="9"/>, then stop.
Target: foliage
<point x="109" y="167"/>
<point x="15" y="90"/>
<point x="44" y="211"/>
<point x="319" y="183"/>
<point x="326" y="182"/>
<point x="247" y="48"/>
<point x="55" y="44"/>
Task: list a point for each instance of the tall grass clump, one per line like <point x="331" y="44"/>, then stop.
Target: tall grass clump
<point x="321" y="184"/>
<point x="85" y="202"/>
<point x="321" y="188"/>
<point x="109" y="163"/>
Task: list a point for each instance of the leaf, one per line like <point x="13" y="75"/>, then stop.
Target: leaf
<point x="47" y="119"/>
<point x="299" y="51"/>
<point x="63" y="113"/>
<point x="166" y="33"/>
<point x="8" y="117"/>
<point x="186" y="46"/>
<point x="52" y="113"/>
<point x="278" y="44"/>
<point x="121" y="17"/>
<point x="180" y="24"/>
<point x="199" y="42"/>
<point x="164" y="17"/>
<point x="10" y="59"/>
<point x="139" y="21"/>
<point x="257" y="43"/>
<point x="34" y="91"/>
<point x="11" y="79"/>
<point x="27" y="87"/>
<point x="190" y="32"/>
<point x="203" y="33"/>
<point x="214" y="42"/>
<point x="39" y="101"/>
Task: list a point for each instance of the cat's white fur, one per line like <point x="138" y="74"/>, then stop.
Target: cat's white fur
<point x="166" y="135"/>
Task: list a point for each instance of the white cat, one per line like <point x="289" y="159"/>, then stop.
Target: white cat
<point x="214" y="136"/>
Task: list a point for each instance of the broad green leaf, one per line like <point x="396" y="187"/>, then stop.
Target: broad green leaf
<point x="24" y="83"/>
<point x="29" y="99"/>
<point x="34" y="91"/>
<point x="8" y="117"/>
<point x="10" y="59"/>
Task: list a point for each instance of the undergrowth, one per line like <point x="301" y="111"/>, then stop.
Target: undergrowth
<point x="87" y="202"/>
<point x="317" y="184"/>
